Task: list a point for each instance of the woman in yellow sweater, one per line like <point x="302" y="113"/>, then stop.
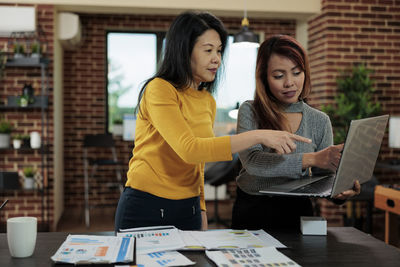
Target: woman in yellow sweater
<point x="174" y="135"/>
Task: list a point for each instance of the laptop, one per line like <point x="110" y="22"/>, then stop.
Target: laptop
<point x="359" y="155"/>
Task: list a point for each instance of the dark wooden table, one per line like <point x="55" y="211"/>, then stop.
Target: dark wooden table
<point x="343" y="246"/>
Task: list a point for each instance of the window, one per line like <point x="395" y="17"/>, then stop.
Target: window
<point x="237" y="85"/>
<point x="132" y="59"/>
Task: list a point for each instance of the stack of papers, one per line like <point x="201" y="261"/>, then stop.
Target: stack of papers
<point x="167" y="238"/>
<point x="157" y="246"/>
<point x="85" y="249"/>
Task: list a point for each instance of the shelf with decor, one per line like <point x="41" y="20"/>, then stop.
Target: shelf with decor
<point x="13" y="102"/>
<point x="42" y="149"/>
<point x="13" y="182"/>
<point x="33" y="104"/>
<point x="32" y="62"/>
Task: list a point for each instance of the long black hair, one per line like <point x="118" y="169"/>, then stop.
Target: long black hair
<point x="182" y="35"/>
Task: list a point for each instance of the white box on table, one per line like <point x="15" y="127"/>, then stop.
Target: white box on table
<point x="313" y="225"/>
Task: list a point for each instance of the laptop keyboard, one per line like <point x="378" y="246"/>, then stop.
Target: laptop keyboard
<point x="316" y="188"/>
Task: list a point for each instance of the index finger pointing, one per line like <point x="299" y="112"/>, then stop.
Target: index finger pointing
<point x="300" y="138"/>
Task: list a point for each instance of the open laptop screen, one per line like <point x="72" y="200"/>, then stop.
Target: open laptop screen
<point x="360" y="152"/>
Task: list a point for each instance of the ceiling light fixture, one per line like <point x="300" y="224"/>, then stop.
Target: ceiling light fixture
<point x="246" y="37"/>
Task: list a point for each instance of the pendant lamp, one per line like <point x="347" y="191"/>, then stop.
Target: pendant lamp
<point x="246" y="37"/>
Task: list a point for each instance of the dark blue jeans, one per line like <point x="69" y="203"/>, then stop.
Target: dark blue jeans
<point x="139" y="209"/>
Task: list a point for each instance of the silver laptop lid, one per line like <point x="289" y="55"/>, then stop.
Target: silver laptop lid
<point x="360" y="152"/>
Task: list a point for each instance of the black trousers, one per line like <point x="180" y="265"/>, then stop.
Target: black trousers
<point x="139" y="209"/>
<point x="269" y="212"/>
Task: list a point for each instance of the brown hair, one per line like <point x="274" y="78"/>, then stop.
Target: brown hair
<point x="268" y="110"/>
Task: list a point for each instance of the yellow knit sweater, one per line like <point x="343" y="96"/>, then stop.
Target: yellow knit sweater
<point x="174" y="138"/>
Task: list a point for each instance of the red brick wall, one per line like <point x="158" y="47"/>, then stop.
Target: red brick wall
<point x="350" y="32"/>
<point x="28" y="203"/>
<point x="84" y="92"/>
<point x="346" y="32"/>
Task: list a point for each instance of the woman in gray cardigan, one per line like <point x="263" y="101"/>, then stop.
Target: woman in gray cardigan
<point x="282" y="85"/>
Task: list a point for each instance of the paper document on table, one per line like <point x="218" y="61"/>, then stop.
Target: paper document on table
<point x="267" y="256"/>
<point x="267" y="239"/>
<point x="227" y="238"/>
<point x="165" y="258"/>
<point x="162" y="259"/>
<point x="81" y="249"/>
<point x="154" y="239"/>
<point x="191" y="243"/>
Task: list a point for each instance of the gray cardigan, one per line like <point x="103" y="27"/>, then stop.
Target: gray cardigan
<point x="262" y="167"/>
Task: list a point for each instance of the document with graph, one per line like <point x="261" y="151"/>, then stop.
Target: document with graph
<point x="154" y="239"/>
<point x="163" y="259"/>
<point x="88" y="249"/>
<point x="227" y="238"/>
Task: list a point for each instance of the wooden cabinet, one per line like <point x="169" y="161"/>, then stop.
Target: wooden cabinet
<point x="388" y="199"/>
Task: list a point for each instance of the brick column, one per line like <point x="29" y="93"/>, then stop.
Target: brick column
<point x="349" y="32"/>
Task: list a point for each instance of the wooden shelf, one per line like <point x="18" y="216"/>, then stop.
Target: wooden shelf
<point x="27" y="62"/>
<point x="13" y="103"/>
<point x="43" y="149"/>
<point x="21" y="189"/>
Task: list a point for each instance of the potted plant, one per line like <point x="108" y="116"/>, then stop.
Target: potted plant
<point x="5" y="130"/>
<point x="17" y="141"/>
<point x="23" y="101"/>
<point x="117" y="128"/>
<point x="354" y="100"/>
<point x="35" y="49"/>
<point x="29" y="177"/>
<point x="19" y="50"/>
<point x="27" y="98"/>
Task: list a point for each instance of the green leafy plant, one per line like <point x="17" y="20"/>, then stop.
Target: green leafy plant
<point x="25" y="100"/>
<point x="117" y="121"/>
<point x="29" y="171"/>
<point x="116" y="89"/>
<point x="17" y="136"/>
<point x="6" y="127"/>
<point x="19" y="48"/>
<point x="353" y="101"/>
<point x="35" y="48"/>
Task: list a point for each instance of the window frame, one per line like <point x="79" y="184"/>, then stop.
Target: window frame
<point x="160" y="35"/>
